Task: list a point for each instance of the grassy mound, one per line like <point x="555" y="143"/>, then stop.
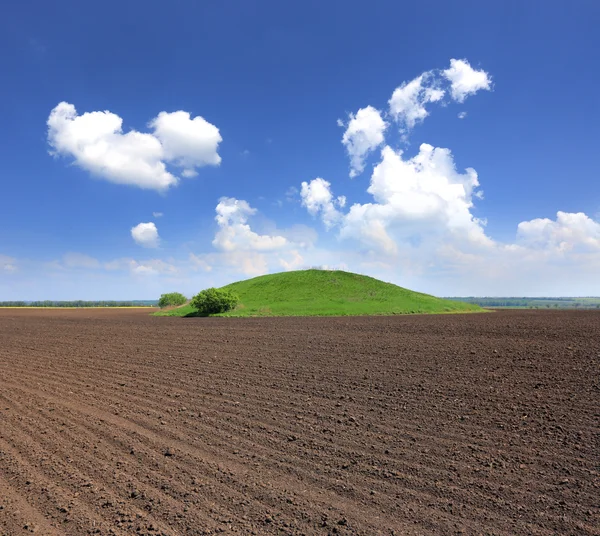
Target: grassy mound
<point x="327" y="293"/>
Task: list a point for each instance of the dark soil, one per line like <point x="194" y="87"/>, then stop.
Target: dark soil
<point x="116" y="422"/>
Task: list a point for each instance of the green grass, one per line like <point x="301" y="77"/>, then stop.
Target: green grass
<point x="327" y="293"/>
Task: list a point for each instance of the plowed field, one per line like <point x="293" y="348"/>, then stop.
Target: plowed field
<point x="116" y="422"/>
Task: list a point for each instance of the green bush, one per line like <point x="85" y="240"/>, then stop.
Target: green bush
<point x="171" y="299"/>
<point x="214" y="301"/>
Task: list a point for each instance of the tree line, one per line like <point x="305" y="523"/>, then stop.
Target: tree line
<point x="79" y="303"/>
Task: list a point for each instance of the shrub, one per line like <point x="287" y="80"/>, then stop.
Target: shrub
<point x="213" y="301"/>
<point x="171" y="299"/>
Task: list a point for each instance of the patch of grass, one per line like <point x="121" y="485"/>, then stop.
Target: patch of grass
<point x="327" y="293"/>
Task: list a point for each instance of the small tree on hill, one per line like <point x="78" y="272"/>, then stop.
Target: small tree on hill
<point x="214" y="301"/>
<point x="171" y="299"/>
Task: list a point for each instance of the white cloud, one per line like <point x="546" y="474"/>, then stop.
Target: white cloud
<point x="407" y="104"/>
<point x="364" y="133"/>
<point x="316" y="196"/>
<point x="96" y="142"/>
<point x="558" y="257"/>
<point x="187" y="142"/>
<point x="157" y="214"/>
<point x="234" y="232"/>
<point x="422" y="195"/>
<point x="570" y="232"/>
<point x="414" y="199"/>
<point x="420" y="231"/>
<point x="146" y="235"/>
<point x="465" y="80"/>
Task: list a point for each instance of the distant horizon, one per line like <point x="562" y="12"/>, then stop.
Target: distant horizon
<point x="540" y="297"/>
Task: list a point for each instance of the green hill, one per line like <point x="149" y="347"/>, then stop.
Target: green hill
<point x="327" y="293"/>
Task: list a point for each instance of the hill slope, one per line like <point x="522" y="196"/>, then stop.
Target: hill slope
<point x="327" y="293"/>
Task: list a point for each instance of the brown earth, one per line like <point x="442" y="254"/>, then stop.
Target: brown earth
<point x="116" y="422"/>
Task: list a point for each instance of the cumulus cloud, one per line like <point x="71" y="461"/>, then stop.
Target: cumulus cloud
<point x="420" y="230"/>
<point x="408" y="101"/>
<point x="146" y="235"/>
<point x="235" y="234"/>
<point x="559" y="257"/>
<point x="408" y="105"/>
<point x="424" y="194"/>
<point x="365" y="132"/>
<point x="412" y="197"/>
<point x="242" y="250"/>
<point x="187" y="143"/>
<point x="465" y="80"/>
<point x="97" y="143"/>
<point x="570" y="232"/>
<point x="316" y="196"/>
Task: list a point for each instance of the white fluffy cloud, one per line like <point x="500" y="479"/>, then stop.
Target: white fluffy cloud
<point x="407" y="104"/>
<point x="421" y="195"/>
<point x="412" y="197"/>
<point x="244" y="251"/>
<point x="96" y="142"/>
<point x="419" y="230"/>
<point x="465" y="80"/>
<point x="364" y="133"/>
<point x="187" y="142"/>
<point x="316" y="196"/>
<point x="570" y="232"/>
<point x="234" y="232"/>
<point x="146" y="235"/>
<point x="559" y="257"/>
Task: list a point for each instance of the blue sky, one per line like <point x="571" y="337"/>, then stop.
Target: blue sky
<point x="150" y="147"/>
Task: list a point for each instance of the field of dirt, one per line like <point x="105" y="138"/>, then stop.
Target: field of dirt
<point x="116" y="422"/>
